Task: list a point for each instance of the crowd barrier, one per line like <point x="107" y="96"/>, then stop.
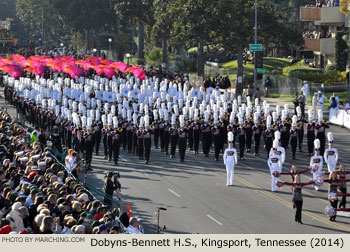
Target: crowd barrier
<point x="340" y="117"/>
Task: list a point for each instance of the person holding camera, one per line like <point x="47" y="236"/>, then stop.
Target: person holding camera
<point x="111" y="184"/>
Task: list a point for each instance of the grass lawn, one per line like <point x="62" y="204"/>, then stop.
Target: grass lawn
<point x="342" y="97"/>
<point x="269" y="63"/>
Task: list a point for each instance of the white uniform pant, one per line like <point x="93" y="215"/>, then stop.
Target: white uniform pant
<point x="315" y="176"/>
<point x="331" y="166"/>
<point x="274" y="180"/>
<point x="230" y="170"/>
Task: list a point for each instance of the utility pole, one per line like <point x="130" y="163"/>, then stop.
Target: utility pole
<point x="255" y="40"/>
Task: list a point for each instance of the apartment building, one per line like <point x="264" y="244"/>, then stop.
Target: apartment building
<point x="323" y="23"/>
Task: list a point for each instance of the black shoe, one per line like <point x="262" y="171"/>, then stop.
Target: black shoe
<point x="116" y="164"/>
<point x="105" y="157"/>
<point x="89" y="169"/>
<point x="300" y="222"/>
<point x="96" y="153"/>
<point x="146" y="162"/>
<point x="157" y="147"/>
<point x="182" y="160"/>
<point x="109" y="159"/>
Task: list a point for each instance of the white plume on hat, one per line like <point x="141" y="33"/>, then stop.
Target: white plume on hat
<point x="104" y="120"/>
<point x="275" y="144"/>
<point x="256" y="117"/>
<point x="277" y="135"/>
<point x="268" y="122"/>
<point x="299" y="111"/>
<point x="182" y="121"/>
<point x="330" y="137"/>
<point x="115" y="122"/>
<point x="142" y="122"/>
<point x="278" y="109"/>
<point x="274" y="116"/>
<point x="230" y="136"/>
<point x="89" y="123"/>
<point x="146" y="120"/>
<point x="173" y="119"/>
<point x="240" y="118"/>
<point x="317" y="144"/>
<point x="109" y="119"/>
<point x="320" y="115"/>
<point x="294" y="121"/>
<point x="134" y="118"/>
<point x="283" y="116"/>
<point x="310" y="114"/>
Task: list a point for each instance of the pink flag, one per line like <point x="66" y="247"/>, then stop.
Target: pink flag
<point x="120" y="66"/>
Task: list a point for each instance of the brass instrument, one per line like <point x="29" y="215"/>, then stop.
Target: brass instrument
<point x="151" y="127"/>
<point x="211" y="124"/>
<point x="177" y="127"/>
<point x="120" y="129"/>
<point x="186" y="127"/>
<point x="298" y="126"/>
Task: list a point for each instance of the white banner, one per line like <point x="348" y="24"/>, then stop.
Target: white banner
<point x="347" y="119"/>
<point x="336" y="116"/>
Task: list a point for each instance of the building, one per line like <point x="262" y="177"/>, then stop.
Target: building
<point x="319" y="40"/>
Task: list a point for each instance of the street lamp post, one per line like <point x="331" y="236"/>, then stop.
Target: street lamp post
<point x="110" y="47"/>
<point x="128" y="56"/>
<point x="62" y="48"/>
<point x="255" y="40"/>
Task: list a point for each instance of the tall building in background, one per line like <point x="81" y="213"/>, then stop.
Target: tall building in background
<point x="324" y="22"/>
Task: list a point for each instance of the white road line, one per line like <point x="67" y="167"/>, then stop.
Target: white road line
<point x="143" y="172"/>
<point x="123" y="159"/>
<point x="344" y="214"/>
<point x="212" y="218"/>
<point x="176" y="194"/>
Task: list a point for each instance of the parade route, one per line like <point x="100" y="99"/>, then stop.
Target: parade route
<point x="198" y="201"/>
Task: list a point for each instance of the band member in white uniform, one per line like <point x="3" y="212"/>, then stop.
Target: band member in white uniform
<point x="280" y="150"/>
<point x="275" y="164"/>
<point x="230" y="159"/>
<point x="316" y="162"/>
<point x="331" y="154"/>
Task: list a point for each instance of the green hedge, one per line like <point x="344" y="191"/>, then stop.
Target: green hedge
<point x="315" y="75"/>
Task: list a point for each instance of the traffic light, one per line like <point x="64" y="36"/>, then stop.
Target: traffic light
<point x="259" y="59"/>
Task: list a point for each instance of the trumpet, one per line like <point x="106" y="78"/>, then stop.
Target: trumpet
<point x="119" y="129"/>
<point x="151" y="127"/>
<point x="211" y="124"/>
<point x="298" y="126"/>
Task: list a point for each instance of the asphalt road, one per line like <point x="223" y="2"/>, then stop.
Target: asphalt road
<point x="198" y="201"/>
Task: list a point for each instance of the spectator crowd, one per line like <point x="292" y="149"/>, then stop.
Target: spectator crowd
<point x="37" y="196"/>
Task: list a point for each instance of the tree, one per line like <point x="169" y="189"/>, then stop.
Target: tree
<point x="39" y="14"/>
<point x="86" y="16"/>
<point x="8" y="9"/>
<point x="236" y="28"/>
<point x="344" y="6"/>
<point x="138" y="12"/>
<point x="197" y="24"/>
